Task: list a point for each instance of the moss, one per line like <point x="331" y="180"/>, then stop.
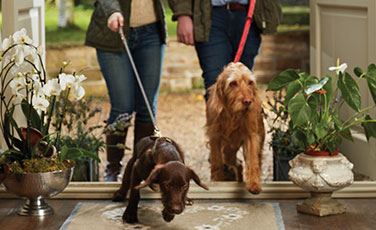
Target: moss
<point x="40" y="165"/>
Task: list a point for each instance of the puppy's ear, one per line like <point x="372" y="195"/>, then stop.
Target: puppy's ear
<point x="196" y="179"/>
<point x="152" y="178"/>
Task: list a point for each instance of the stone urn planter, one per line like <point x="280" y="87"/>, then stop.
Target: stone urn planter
<point x="321" y="176"/>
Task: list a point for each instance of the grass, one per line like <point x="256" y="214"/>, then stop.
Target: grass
<point x="77" y="31"/>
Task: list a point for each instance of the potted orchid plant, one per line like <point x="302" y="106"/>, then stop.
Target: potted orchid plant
<point x="28" y="107"/>
<point x="314" y="105"/>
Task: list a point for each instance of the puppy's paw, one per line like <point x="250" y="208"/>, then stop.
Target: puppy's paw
<point x="254" y="188"/>
<point x="130" y="216"/>
<point x="118" y="196"/>
<point x="167" y="216"/>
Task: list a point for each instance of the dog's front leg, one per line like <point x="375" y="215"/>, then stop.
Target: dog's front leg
<point x="216" y="161"/>
<point x="230" y="159"/>
<point x="251" y="151"/>
<point x="121" y="194"/>
<point x="130" y="214"/>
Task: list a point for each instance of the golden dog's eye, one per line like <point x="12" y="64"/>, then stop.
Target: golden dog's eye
<point x="250" y="82"/>
<point x="233" y="83"/>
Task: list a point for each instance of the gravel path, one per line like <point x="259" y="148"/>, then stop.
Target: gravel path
<point x="182" y="118"/>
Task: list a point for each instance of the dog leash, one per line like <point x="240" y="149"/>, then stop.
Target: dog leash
<point x="157" y="132"/>
<point x="247" y="25"/>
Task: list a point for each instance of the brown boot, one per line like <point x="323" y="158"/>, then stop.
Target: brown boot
<point x="141" y="130"/>
<point x="114" y="156"/>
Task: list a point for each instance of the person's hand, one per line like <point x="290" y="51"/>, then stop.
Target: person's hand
<point x="185" y="30"/>
<point x="115" y="21"/>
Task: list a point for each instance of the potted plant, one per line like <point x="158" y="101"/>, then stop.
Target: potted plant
<point x="284" y="149"/>
<point x="314" y="105"/>
<point x="80" y="132"/>
<point x="35" y="155"/>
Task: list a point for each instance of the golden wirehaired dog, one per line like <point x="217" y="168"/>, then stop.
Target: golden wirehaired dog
<point x="233" y="120"/>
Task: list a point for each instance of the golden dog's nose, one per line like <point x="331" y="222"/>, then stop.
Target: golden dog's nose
<point x="247" y="101"/>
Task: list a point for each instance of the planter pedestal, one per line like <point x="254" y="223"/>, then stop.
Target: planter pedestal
<point x="321" y="175"/>
<point x="321" y="204"/>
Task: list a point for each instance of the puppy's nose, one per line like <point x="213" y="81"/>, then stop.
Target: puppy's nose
<point x="177" y="209"/>
<point x="247" y="101"/>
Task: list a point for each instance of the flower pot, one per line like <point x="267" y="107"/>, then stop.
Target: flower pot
<point x="321" y="175"/>
<point x="281" y="167"/>
<point x="86" y="170"/>
<point x="35" y="187"/>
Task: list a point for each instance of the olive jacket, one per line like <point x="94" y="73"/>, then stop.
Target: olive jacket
<point x="100" y="36"/>
<point x="267" y="15"/>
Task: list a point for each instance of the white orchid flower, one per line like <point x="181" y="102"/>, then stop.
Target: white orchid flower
<point x="37" y="85"/>
<point x="78" y="92"/>
<point x="338" y="69"/>
<point x="79" y="78"/>
<point x="7" y="42"/>
<point x="66" y="80"/>
<point x="40" y="103"/>
<point x="21" y="37"/>
<point x="17" y="83"/>
<point x="52" y="87"/>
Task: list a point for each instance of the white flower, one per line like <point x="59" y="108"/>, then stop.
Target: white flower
<point x="338" y="69"/>
<point x="40" y="103"/>
<point x="17" y="83"/>
<point x="78" y="92"/>
<point x="7" y="43"/>
<point x="79" y="78"/>
<point x="52" y="87"/>
<point x="21" y="37"/>
<point x="66" y="80"/>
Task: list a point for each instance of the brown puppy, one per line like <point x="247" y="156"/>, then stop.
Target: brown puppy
<point x="234" y="120"/>
<point x="161" y="161"/>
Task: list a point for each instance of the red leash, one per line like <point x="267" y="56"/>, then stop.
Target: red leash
<point x="246" y="30"/>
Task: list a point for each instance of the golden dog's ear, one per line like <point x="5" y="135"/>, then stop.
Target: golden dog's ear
<point x="152" y="178"/>
<point x="216" y="97"/>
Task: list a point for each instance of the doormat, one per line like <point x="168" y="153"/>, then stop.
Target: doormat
<point x="216" y="215"/>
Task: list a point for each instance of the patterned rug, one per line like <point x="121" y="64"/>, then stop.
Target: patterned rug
<point x="201" y="215"/>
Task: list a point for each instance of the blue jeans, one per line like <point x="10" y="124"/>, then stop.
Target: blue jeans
<point x="147" y="50"/>
<point x="225" y="34"/>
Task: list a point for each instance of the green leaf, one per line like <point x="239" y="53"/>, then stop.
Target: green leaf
<point x="299" y="138"/>
<point x="283" y="79"/>
<point x="321" y="130"/>
<point x="338" y="123"/>
<point x="346" y="133"/>
<point x="311" y="138"/>
<point x="350" y="91"/>
<point x="358" y="71"/>
<point x="333" y="142"/>
<point x="369" y="127"/>
<point x="371" y="67"/>
<point x="371" y="81"/>
<point x="34" y="116"/>
<point x="292" y="89"/>
<point x="299" y="110"/>
<point x="63" y="153"/>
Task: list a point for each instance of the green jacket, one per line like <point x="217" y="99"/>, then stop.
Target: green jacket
<point x="100" y="36"/>
<point x="199" y="10"/>
<point x="267" y="15"/>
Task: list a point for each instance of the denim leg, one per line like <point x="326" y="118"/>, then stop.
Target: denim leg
<point x="225" y="33"/>
<point x="148" y="51"/>
<point x="217" y="52"/>
<point x="119" y="78"/>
